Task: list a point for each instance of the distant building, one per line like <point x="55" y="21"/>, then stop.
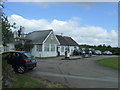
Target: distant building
<point x="47" y="44"/>
<point x="66" y="44"/>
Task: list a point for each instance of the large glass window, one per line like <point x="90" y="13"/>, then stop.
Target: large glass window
<point x="62" y="48"/>
<point x="67" y="49"/>
<point x="38" y="47"/>
<point x="52" y="47"/>
<point x="46" y="47"/>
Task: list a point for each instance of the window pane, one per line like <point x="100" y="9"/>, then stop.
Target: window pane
<point x="52" y="47"/>
<point x="62" y="49"/>
<point x="46" y="47"/>
<point x="38" y="47"/>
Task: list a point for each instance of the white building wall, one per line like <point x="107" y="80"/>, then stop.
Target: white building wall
<point x="44" y="53"/>
<point x="49" y="53"/>
<point x="60" y="49"/>
<point x="1" y="49"/>
<point x="35" y="52"/>
<point x="71" y="49"/>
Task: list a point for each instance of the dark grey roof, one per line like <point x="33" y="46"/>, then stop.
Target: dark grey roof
<point x="66" y="41"/>
<point x="37" y="37"/>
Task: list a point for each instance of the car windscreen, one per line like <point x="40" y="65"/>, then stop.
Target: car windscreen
<point x="28" y="55"/>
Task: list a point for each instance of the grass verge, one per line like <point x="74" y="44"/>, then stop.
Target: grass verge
<point x="110" y="62"/>
<point x="30" y="82"/>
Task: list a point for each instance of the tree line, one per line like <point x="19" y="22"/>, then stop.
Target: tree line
<point x="114" y="50"/>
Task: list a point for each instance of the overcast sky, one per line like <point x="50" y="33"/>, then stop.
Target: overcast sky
<point x="87" y="23"/>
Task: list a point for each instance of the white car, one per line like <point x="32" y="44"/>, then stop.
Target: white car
<point x="98" y="52"/>
<point x="107" y="52"/>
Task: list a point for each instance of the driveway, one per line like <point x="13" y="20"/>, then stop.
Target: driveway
<point x="80" y="73"/>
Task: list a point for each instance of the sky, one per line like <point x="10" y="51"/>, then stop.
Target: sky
<point x="91" y="23"/>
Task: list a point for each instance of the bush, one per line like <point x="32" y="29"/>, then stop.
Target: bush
<point x="8" y="74"/>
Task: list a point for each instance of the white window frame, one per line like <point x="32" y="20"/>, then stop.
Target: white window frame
<point x="46" y="47"/>
<point x="52" y="47"/>
<point x="38" y="47"/>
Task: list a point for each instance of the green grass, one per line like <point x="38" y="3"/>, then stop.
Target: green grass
<point x="110" y="62"/>
<point x="29" y="82"/>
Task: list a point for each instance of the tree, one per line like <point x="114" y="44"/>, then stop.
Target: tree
<point x="99" y="46"/>
<point x="6" y="29"/>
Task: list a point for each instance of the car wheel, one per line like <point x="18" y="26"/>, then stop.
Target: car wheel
<point x="20" y="69"/>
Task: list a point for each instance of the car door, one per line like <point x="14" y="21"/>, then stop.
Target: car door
<point x="15" y="58"/>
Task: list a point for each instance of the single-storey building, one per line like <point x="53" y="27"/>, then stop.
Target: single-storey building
<point x="66" y="44"/>
<point x="45" y="43"/>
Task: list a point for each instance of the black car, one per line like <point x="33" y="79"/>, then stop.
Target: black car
<point x="21" y="61"/>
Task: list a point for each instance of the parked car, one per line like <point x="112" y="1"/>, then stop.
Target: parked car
<point x="21" y="61"/>
<point x="76" y="52"/>
<point x="107" y="53"/>
<point x="98" y="52"/>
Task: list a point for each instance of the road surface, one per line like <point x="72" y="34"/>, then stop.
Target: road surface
<point x="80" y="73"/>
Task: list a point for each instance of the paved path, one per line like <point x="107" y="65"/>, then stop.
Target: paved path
<point x="80" y="73"/>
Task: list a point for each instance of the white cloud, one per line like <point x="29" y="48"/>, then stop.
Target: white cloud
<point x="92" y="35"/>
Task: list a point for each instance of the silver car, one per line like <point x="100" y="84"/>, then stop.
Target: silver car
<point x="98" y="52"/>
<point x="107" y="52"/>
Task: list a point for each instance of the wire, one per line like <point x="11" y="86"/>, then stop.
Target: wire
<point x="13" y="11"/>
